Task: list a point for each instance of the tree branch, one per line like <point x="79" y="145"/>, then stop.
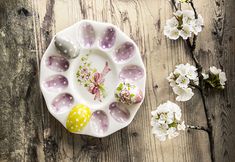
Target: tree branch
<point x="192" y="47"/>
<point x="174" y="5"/>
<point x="198" y="128"/>
<point x="195" y="12"/>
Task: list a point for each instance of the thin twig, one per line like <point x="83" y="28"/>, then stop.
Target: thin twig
<point x="198" y="128"/>
<point x="174" y="4"/>
<point x="195" y="12"/>
<point x="195" y="86"/>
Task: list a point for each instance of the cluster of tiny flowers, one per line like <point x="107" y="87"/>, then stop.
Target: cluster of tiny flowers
<point x="183" y="24"/>
<point x="216" y="78"/>
<point x="166" y="121"/>
<point x="182" y="80"/>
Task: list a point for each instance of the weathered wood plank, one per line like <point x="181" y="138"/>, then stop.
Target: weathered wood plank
<point x="30" y="133"/>
<point x="20" y="116"/>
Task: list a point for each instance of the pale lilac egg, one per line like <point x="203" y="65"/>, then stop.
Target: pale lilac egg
<point x="119" y="112"/>
<point x="99" y="122"/>
<point x="131" y="72"/>
<point x="87" y="35"/>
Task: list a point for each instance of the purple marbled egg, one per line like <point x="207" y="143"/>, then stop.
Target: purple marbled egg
<point x="108" y="38"/>
<point x="56" y="82"/>
<point x="57" y="63"/>
<point x="62" y="102"/>
<point x="124" y="51"/>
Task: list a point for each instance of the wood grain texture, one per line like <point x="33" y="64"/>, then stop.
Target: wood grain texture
<point x="30" y="133"/>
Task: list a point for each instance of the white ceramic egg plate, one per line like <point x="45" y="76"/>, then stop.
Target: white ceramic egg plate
<point x="90" y="47"/>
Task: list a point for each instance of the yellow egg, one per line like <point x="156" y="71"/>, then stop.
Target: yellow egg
<point x="78" y="118"/>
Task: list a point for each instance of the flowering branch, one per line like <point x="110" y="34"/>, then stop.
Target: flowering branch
<point x="209" y="128"/>
<point x="166" y="119"/>
<point x="200" y="87"/>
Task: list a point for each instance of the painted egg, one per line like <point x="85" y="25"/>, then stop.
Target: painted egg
<point x="99" y="122"/>
<point x="57" y="63"/>
<point x="66" y="47"/>
<point x="131" y="72"/>
<point x="119" y="112"/>
<point x="56" y="82"/>
<point x="62" y="102"/>
<point x="78" y="118"/>
<point x="87" y="35"/>
<point x="125" y="51"/>
<point x="108" y="38"/>
<point x="128" y="93"/>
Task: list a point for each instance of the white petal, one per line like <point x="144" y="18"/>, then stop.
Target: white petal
<point x="205" y="76"/>
<point x="184" y="94"/>
<point x="174" y="34"/>
<point x="182" y="81"/>
<point x="214" y="70"/>
<point x="185" y="32"/>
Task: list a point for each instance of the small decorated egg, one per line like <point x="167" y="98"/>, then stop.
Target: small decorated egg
<point x="128" y="93"/>
<point x="78" y="118"/>
<point x="66" y="47"/>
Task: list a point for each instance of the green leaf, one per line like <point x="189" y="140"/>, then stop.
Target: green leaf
<point x="172" y="125"/>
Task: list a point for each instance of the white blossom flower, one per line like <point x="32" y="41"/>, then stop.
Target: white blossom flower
<point x="216" y="78"/>
<point x="166" y="121"/>
<point x="181" y="126"/>
<point x="183" y="24"/>
<point x="174" y="34"/>
<point x="197" y="25"/>
<point x="191" y="72"/>
<point x="171" y="77"/>
<point x="222" y="78"/>
<point x="214" y="70"/>
<point x="181" y="69"/>
<point x="182" y="80"/>
<point x="185" y="32"/>
<point x="184" y="94"/>
<point x="205" y="76"/>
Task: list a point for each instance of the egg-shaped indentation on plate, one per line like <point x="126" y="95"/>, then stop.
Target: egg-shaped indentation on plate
<point x="78" y="118"/>
<point x="66" y="47"/>
<point x="108" y="39"/>
<point x="119" y="112"/>
<point x="124" y="51"/>
<point x="131" y="72"/>
<point x="99" y="122"/>
<point x="87" y="35"/>
<point x="57" y="63"/>
<point x="56" y="83"/>
<point x="62" y="102"/>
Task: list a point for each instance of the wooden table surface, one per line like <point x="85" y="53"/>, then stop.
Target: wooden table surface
<point x="29" y="133"/>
